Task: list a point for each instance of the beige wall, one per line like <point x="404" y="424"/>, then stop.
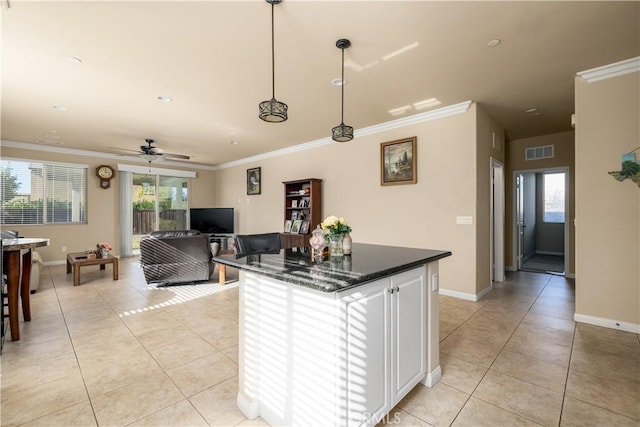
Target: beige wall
<point x="102" y="207"/>
<point x="453" y="179"/>
<point x="564" y="156"/>
<point x="421" y="215"/>
<point x="607" y="211"/>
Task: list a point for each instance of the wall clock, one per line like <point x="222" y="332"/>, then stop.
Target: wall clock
<point x="105" y="173"/>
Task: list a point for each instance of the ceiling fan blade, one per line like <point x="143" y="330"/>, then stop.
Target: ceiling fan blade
<point x="176" y="156"/>
<point x="124" y="149"/>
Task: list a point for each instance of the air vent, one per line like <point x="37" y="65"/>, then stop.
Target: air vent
<point x="536" y="153"/>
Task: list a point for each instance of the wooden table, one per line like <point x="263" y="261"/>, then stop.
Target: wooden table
<point x="79" y="259"/>
<point x="11" y="255"/>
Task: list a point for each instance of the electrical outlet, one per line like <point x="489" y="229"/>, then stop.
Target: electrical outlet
<point x="64" y="249"/>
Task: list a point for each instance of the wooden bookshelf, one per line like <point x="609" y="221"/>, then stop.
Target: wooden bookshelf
<point x="302" y="201"/>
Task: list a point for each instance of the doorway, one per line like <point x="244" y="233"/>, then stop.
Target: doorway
<point x="540" y="226"/>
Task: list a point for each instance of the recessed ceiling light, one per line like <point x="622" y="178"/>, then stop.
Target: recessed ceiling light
<point x="234" y="142"/>
<point x="494" y="42"/>
<point x="75" y="59"/>
<point x="531" y="110"/>
<point x="163" y="98"/>
<point x="59" y="107"/>
<point x="338" y="82"/>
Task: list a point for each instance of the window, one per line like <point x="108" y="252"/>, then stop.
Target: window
<point x="42" y="193"/>
<point x="554" y="197"/>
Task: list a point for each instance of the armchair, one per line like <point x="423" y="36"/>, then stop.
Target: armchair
<point x="180" y="256"/>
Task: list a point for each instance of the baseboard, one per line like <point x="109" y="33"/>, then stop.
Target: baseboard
<point x="432" y="377"/>
<point x="510" y="268"/>
<point x="607" y="323"/>
<point x="570" y="275"/>
<point x="465" y="295"/>
<point x="549" y="253"/>
<point x="55" y="262"/>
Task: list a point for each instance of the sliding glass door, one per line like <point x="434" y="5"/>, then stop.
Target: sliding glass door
<point x="158" y="203"/>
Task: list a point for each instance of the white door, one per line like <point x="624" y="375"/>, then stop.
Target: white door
<point x="497" y="221"/>
<point x="520" y="225"/>
<point x="409" y="320"/>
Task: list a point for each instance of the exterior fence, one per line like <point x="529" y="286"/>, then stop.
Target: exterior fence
<point x="170" y="219"/>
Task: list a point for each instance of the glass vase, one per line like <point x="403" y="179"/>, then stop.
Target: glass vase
<point x="335" y="245"/>
<point x="104" y="253"/>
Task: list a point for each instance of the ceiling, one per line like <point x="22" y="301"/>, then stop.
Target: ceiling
<point x="213" y="58"/>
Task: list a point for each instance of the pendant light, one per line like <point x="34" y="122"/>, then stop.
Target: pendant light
<point x="342" y="132"/>
<point x="272" y="111"/>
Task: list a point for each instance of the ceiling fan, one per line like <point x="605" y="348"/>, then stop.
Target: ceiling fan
<point x="151" y="153"/>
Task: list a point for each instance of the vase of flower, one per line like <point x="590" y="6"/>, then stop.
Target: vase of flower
<point x="335" y="228"/>
<point x="335" y="245"/>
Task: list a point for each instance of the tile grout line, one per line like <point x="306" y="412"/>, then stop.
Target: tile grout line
<point x="496" y="358"/>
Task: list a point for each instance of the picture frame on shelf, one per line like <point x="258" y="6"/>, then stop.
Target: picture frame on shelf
<point x="398" y="160"/>
<point x="295" y="228"/>
<point x="294" y="203"/>
<point x="287" y="226"/>
<point x="254" y="177"/>
<point x="304" y="227"/>
<point x="294" y="215"/>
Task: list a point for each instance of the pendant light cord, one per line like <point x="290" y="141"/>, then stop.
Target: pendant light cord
<point x="342" y="101"/>
<point x="273" y="57"/>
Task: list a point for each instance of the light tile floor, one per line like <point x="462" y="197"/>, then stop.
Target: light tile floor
<point x="123" y="353"/>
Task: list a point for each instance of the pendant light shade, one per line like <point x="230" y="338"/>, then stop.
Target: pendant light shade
<point x="273" y="111"/>
<point x="342" y="132"/>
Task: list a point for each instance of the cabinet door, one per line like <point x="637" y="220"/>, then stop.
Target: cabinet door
<point x="409" y="315"/>
<point x="367" y="353"/>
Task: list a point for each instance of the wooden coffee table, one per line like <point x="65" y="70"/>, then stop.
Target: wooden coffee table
<point x="79" y="259"/>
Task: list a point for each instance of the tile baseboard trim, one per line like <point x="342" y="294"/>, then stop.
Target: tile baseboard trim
<point x="465" y="295"/>
<point x="607" y="323"/>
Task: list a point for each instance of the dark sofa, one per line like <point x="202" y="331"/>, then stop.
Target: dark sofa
<point x="178" y="256"/>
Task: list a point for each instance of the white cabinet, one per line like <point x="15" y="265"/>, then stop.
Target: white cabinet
<point x="386" y="343"/>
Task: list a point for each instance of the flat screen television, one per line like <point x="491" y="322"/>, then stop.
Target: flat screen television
<point x="212" y="220"/>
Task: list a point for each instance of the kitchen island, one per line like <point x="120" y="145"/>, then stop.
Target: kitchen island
<point x="337" y="342"/>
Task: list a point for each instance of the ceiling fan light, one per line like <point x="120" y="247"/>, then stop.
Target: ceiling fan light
<point x="273" y="111"/>
<point x="149" y="157"/>
<point x="342" y="133"/>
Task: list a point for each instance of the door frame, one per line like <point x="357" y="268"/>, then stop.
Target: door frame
<point x="496" y="221"/>
<point x="514" y="225"/>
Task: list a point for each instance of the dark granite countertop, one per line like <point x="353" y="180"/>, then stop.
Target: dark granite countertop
<point x="365" y="264"/>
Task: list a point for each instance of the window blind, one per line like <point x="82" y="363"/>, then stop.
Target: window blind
<point x="42" y="193"/>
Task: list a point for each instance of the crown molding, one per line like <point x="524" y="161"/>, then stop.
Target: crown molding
<point x="89" y="153"/>
<point x="450" y="110"/>
<point x="611" y="70"/>
<point x="439" y="113"/>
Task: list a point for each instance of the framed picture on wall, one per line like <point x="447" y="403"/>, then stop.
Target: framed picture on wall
<point x="398" y="162"/>
<point x="253" y="181"/>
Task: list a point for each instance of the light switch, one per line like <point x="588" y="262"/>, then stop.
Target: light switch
<point x="466" y="220"/>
